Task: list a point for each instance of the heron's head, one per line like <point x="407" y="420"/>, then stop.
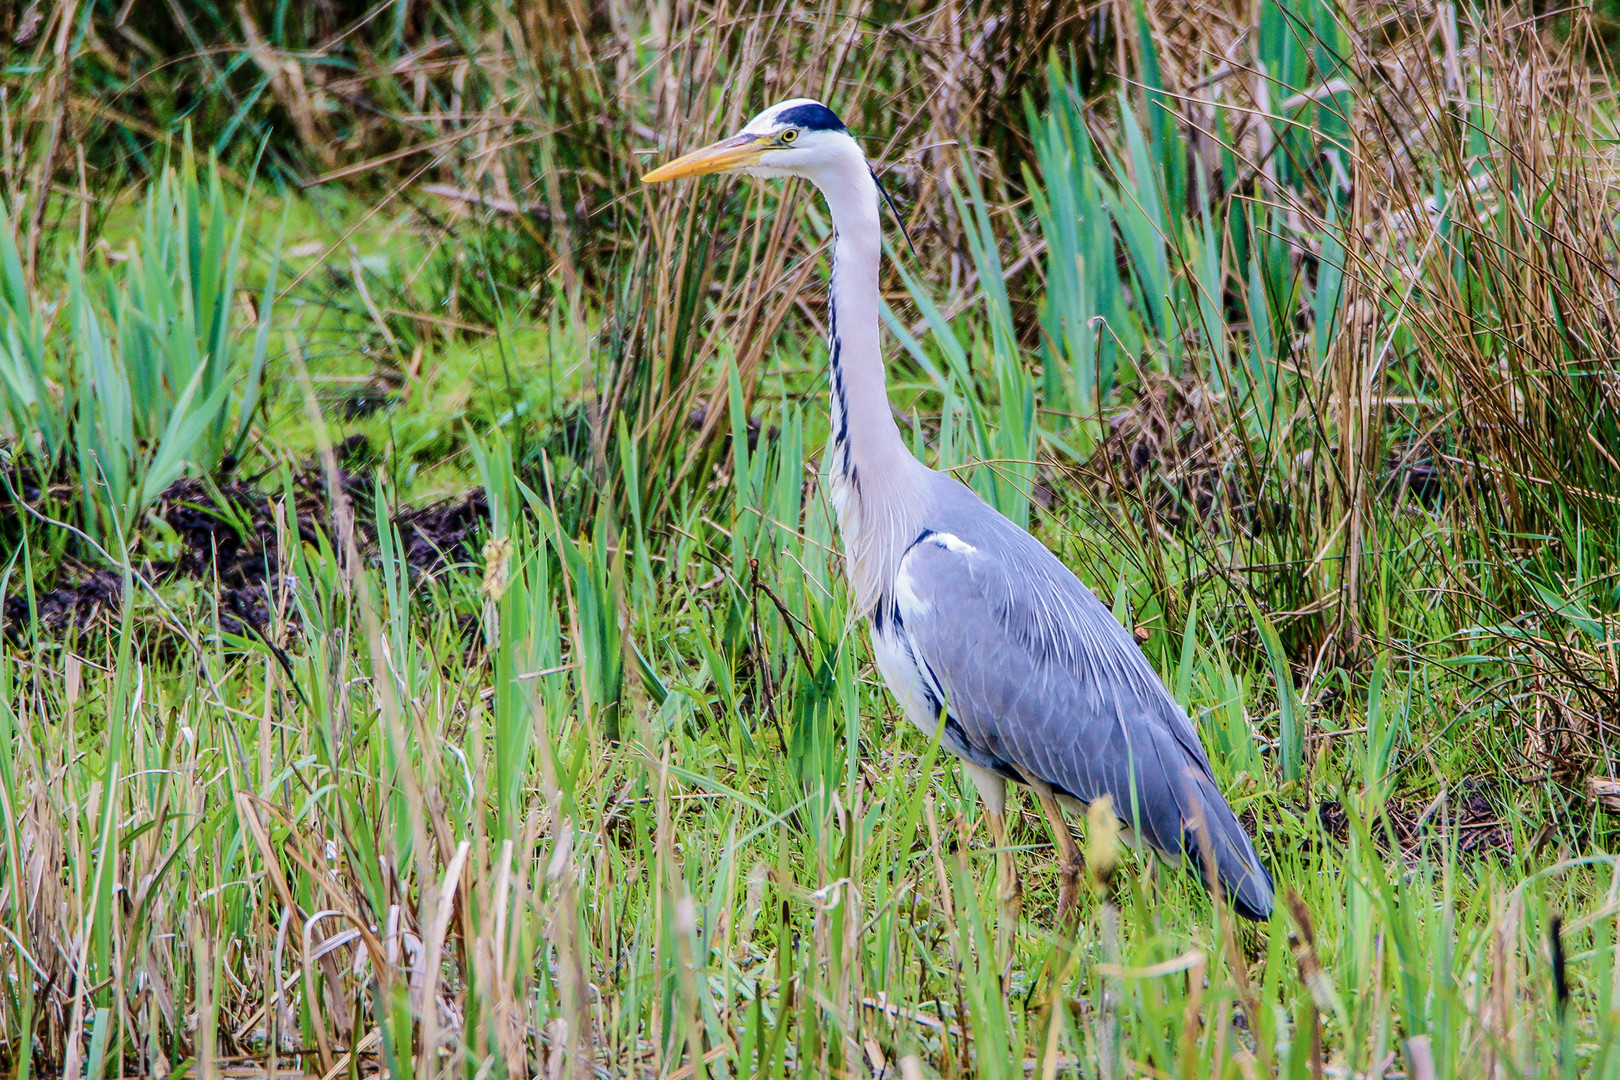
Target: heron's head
<point x="800" y="137"/>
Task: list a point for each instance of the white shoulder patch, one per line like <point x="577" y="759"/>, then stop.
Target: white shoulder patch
<point x="952" y="543"/>
<point x="905" y="584"/>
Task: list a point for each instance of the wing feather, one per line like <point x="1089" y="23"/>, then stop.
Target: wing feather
<point x="1038" y="675"/>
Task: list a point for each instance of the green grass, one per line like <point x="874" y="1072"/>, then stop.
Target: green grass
<point x="649" y="820"/>
<point x="615" y="789"/>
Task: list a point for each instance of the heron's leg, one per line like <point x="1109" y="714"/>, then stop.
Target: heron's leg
<point x="1009" y="894"/>
<point x="1070" y="863"/>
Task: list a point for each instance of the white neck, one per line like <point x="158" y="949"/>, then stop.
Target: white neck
<point x="864" y="436"/>
<point x="875" y="485"/>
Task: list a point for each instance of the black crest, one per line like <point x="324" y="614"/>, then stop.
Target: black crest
<point x="812" y="117"/>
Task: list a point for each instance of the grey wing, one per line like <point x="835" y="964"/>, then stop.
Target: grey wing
<point x="1037" y="676"/>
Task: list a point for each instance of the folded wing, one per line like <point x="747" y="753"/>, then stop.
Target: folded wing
<point x="1038" y="677"/>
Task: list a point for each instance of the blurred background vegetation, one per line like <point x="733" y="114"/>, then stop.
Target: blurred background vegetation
<point x="371" y="435"/>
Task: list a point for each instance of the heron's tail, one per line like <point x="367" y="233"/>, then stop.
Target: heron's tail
<point x="1219" y="842"/>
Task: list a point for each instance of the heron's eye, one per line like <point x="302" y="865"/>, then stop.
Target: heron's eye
<point x="790" y="135"/>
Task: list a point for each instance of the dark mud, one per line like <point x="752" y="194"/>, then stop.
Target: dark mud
<point x="227" y="535"/>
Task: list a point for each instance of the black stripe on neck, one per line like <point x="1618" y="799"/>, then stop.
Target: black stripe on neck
<point x="841" y="415"/>
<point x="835" y="350"/>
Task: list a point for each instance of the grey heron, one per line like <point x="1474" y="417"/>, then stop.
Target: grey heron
<point x="974" y="622"/>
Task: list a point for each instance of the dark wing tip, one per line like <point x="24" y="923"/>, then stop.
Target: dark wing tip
<point x="1242" y="879"/>
<point x="1255" y="896"/>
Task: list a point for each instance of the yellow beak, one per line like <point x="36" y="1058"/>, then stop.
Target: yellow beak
<point x="736" y="152"/>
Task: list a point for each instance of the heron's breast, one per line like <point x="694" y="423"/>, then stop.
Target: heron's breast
<point x="845" y="499"/>
<point x="866" y="560"/>
<point x="894" y="658"/>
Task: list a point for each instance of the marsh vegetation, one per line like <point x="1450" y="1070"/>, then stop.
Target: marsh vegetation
<point x="425" y="641"/>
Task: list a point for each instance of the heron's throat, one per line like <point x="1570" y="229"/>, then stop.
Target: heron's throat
<point x="873" y="480"/>
<point x="864" y="439"/>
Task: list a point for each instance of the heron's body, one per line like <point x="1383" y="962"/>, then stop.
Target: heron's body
<point x="974" y="622"/>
